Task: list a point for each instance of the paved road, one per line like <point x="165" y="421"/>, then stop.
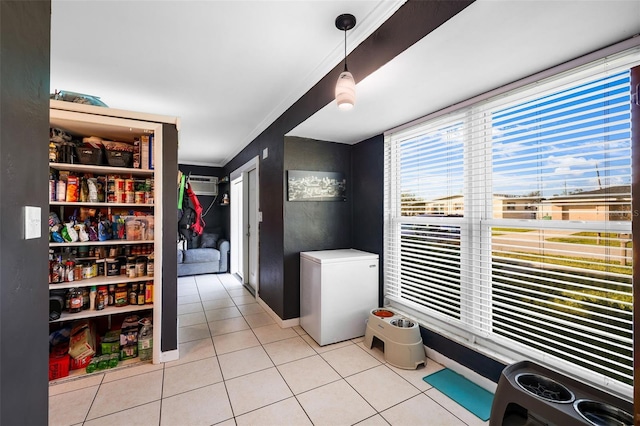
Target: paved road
<point x="535" y="242"/>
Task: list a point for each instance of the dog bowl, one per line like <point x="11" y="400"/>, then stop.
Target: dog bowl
<point x="545" y="388"/>
<point x="383" y="313"/>
<point x="402" y="323"/>
<point x="602" y="414"/>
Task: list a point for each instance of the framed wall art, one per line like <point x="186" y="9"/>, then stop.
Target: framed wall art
<point x="315" y="186"/>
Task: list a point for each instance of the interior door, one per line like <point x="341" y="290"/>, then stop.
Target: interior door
<point x="237" y="227"/>
<point x="252" y="229"/>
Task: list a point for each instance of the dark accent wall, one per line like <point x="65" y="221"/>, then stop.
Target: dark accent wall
<point x="313" y="225"/>
<point x="411" y="22"/>
<point x="169" y="233"/>
<point x="271" y="264"/>
<point x="24" y="133"/>
<point x="367" y="177"/>
<point x="217" y="217"/>
<point x="481" y="364"/>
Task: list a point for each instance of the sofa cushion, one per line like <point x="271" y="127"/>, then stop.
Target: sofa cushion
<point x="201" y="255"/>
<point x="180" y="256"/>
<point x="208" y="240"/>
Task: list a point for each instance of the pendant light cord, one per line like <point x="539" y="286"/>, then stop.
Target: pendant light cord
<point x="345" y="51"/>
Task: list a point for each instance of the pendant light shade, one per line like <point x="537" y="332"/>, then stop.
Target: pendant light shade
<point x="346" y="91"/>
<point x="346" y="85"/>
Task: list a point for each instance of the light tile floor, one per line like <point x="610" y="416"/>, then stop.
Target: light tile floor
<point x="238" y="367"/>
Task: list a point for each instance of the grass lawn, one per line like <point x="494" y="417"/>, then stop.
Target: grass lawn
<point x="590" y="238"/>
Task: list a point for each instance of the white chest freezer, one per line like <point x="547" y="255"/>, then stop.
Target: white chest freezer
<point x="338" y="289"/>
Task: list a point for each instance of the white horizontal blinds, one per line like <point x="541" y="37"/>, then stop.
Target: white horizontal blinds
<point x="391" y="222"/>
<point x="565" y="155"/>
<point x="423" y="265"/>
<point x="566" y="290"/>
<point x="432" y="170"/>
<point x="511" y="220"/>
<point x="430" y="267"/>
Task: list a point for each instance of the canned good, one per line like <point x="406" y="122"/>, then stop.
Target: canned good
<point x="119" y="185"/>
<point x="129" y="197"/>
<point x="128" y="185"/>
<point x="140" y="197"/>
<point x="86" y="271"/>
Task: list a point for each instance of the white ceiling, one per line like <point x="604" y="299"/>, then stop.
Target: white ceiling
<point x="228" y="69"/>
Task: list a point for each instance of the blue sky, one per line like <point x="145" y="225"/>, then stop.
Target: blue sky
<point x="575" y="138"/>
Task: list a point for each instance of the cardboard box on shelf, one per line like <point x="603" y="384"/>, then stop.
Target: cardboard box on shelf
<point x="82" y="342"/>
<point x="81" y="362"/>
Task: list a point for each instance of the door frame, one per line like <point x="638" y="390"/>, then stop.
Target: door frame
<point x="241" y="173"/>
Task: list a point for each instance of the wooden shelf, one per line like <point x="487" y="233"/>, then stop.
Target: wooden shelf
<point x="111" y="310"/>
<point x="98" y="281"/>
<point x="101" y="243"/>
<point x="101" y="170"/>
<point x="97" y="204"/>
<point x="81" y="372"/>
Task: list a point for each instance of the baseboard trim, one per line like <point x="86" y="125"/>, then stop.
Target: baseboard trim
<point x="169" y="356"/>
<point x="476" y="378"/>
<point x="282" y="323"/>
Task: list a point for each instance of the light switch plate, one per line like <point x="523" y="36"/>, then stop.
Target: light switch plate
<point x="259" y="216"/>
<point x="32" y="222"/>
<point x="265" y="153"/>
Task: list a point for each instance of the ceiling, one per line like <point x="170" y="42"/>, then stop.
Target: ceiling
<point x="228" y="69"/>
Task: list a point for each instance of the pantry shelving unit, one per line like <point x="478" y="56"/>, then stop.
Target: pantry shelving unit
<point x="120" y="125"/>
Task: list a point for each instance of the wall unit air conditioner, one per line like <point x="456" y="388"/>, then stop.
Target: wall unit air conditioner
<point x="204" y="185"/>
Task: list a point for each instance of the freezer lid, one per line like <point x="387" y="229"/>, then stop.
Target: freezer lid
<point x="335" y="256"/>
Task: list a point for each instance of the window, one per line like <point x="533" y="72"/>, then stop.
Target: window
<point x="508" y="222"/>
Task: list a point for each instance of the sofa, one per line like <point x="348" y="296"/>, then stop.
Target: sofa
<point x="204" y="254"/>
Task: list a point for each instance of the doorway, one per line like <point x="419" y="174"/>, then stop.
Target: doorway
<point x="245" y="230"/>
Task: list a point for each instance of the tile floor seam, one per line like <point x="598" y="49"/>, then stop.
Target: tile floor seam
<point x="190" y="390"/>
<point x="78" y="379"/>
<point x="126" y="409"/>
<point x="402" y="377"/>
<point x="303" y="409"/>
<point x="245" y="374"/>
<point x="317" y="387"/>
<point x="93" y="400"/>
<point x="361" y="396"/>
<point x="445" y="408"/>
<point x="164" y="368"/>
<point x="265" y="406"/>
<point x="190" y="362"/>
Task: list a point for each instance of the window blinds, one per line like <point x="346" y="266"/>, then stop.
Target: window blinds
<point x="511" y="219"/>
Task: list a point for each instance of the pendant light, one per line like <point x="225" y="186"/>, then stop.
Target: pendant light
<point x="346" y="85"/>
